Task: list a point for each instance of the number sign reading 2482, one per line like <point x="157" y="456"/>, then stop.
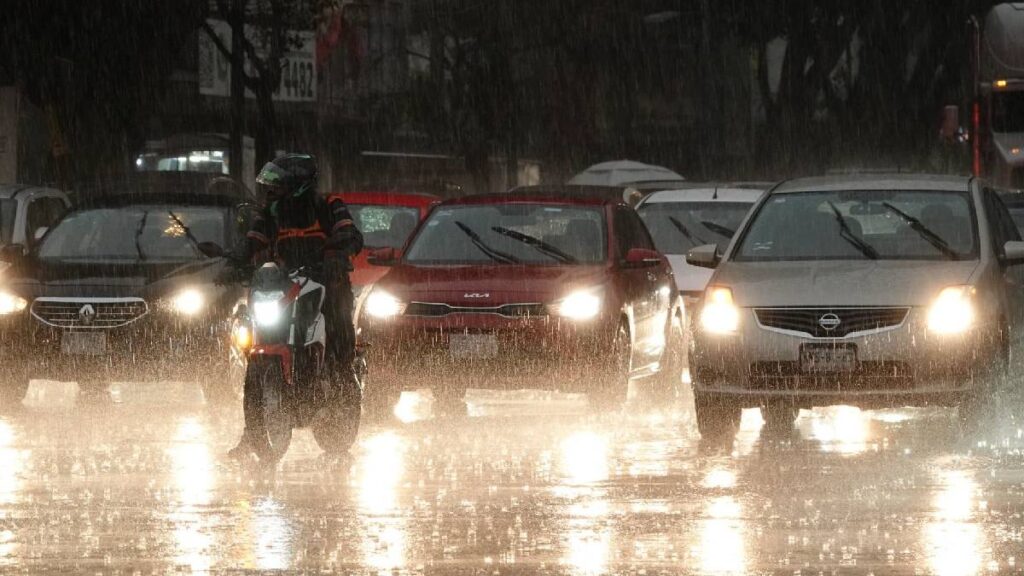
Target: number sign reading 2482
<point x="298" y="73"/>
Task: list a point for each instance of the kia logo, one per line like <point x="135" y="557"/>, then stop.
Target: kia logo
<point x="87" y="314"/>
<point x="476" y="295"/>
<point x="829" y="322"/>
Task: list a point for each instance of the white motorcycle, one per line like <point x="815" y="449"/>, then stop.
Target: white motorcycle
<point x="281" y="335"/>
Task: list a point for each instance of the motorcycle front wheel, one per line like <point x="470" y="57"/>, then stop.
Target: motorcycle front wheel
<point x="267" y="417"/>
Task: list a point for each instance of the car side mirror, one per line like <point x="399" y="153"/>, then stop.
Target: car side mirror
<point x="211" y="249"/>
<point x="1013" y="253"/>
<point x="12" y="253"/>
<point x="642" y="258"/>
<point x="384" y="257"/>
<point x="705" y="256"/>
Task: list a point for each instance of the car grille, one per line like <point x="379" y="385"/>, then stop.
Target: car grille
<point x="850" y="320"/>
<point x="507" y="310"/>
<point x="75" y="313"/>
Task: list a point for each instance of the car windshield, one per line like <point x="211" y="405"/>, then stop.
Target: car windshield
<point x="152" y="233"/>
<point x="8" y="210"/>
<point x="1008" y="111"/>
<point x="897" y="225"/>
<point x="679" y="226"/>
<point x="384" y="226"/>
<point x="511" y="234"/>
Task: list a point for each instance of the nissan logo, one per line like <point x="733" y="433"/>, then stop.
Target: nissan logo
<point x="87" y="314"/>
<point x="829" y="322"/>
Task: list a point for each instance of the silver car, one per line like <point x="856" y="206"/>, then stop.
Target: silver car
<point x="871" y="291"/>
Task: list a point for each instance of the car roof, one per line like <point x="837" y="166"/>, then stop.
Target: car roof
<point x="11" y="190"/>
<point x="530" y="197"/>
<point x="387" y="198"/>
<point x="704" y="194"/>
<point x="938" y="182"/>
<point x="166" y="187"/>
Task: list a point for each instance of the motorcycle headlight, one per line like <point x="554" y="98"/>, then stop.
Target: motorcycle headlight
<point x="241" y="336"/>
<point x="952" y="312"/>
<point x="380" y="304"/>
<point x="188" y="302"/>
<point x="11" y="303"/>
<point x="719" y="314"/>
<point x="579" y="305"/>
<point x="266" y="308"/>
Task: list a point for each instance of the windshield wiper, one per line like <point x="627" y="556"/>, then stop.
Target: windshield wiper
<point x="538" y="244"/>
<point x="848" y="235"/>
<point x="188" y="232"/>
<point x="718" y="228"/>
<point x="924" y="232"/>
<point x="697" y="240"/>
<point x="496" y="255"/>
<point x="138" y="234"/>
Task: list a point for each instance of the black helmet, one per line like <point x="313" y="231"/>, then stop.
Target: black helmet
<point x="288" y="175"/>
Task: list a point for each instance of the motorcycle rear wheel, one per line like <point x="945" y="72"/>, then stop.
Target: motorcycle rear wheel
<point x="267" y="417"/>
<point x="336" y="425"/>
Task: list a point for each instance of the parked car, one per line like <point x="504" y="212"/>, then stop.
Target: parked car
<point x="120" y="288"/>
<point x="680" y="220"/>
<point x="523" y="291"/>
<point x="386" y="219"/>
<point x="873" y="291"/>
<point x="26" y="212"/>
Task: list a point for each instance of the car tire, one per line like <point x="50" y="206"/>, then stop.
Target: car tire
<point x="451" y="401"/>
<point x="779" y="417"/>
<point x="267" y="418"/>
<point x="665" y="386"/>
<point x="13" y="392"/>
<point x="613" y="388"/>
<point x="716" y="417"/>
<point x="336" y="425"/>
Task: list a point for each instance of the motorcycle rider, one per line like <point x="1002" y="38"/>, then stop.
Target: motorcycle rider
<point x="297" y="227"/>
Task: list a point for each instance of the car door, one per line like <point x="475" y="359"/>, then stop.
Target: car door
<point x="1002" y="230"/>
<point x="641" y="288"/>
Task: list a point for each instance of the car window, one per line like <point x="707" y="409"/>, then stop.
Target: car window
<point x="38" y="216"/>
<point x="630" y="232"/>
<point x="384" y="226"/>
<point x="509" y="234"/>
<point x="1003" y="228"/>
<point x="8" y="212"/>
<point x="679" y="226"/>
<point x="151" y="233"/>
<point x="855" y="225"/>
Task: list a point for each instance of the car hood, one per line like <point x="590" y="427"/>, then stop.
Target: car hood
<point x="841" y="283"/>
<point x="102" y="280"/>
<point x="489" y="285"/>
<point x="689" y="278"/>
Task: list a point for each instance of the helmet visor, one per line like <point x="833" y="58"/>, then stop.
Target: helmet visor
<point x="272" y="175"/>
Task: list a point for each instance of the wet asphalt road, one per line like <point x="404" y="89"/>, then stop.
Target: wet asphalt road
<point x="529" y="483"/>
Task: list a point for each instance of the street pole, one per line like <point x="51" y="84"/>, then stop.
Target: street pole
<point x="236" y="151"/>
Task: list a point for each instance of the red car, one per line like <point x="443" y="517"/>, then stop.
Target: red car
<point x="523" y="291"/>
<point x="386" y="220"/>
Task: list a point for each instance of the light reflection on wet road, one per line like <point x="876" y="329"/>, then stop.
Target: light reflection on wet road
<point x="530" y="483"/>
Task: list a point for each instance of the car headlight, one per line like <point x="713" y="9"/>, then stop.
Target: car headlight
<point x="579" y="305"/>
<point x="11" y="303"/>
<point x="380" y="304"/>
<point x="953" y="311"/>
<point x="266" y="308"/>
<point x="188" y="302"/>
<point x="719" y="314"/>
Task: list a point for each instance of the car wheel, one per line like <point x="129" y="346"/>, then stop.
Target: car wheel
<point x="336" y="425"/>
<point x="13" y="391"/>
<point x="779" y="417"/>
<point x="451" y="401"/>
<point x="666" y="384"/>
<point x="380" y="397"/>
<point x="267" y="418"/>
<point x="613" y="389"/>
<point x="716" y="417"/>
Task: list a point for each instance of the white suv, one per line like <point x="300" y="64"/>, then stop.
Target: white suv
<point x="26" y="212"/>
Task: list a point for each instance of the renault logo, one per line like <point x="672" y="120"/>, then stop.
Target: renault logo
<point x="829" y="322"/>
<point x="87" y="314"/>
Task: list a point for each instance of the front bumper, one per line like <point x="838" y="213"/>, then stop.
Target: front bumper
<point x="158" y="346"/>
<point x="541" y="352"/>
<point x="900" y="365"/>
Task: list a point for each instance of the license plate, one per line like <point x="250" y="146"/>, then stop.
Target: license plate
<point x="821" y="359"/>
<point x="473" y="346"/>
<point x="84" y="343"/>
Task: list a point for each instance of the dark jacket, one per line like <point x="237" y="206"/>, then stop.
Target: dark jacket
<point x="304" y="231"/>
